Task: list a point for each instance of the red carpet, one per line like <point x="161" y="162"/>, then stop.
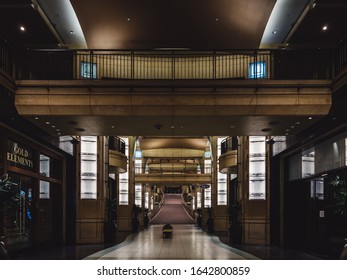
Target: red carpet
<point x="172" y="212"/>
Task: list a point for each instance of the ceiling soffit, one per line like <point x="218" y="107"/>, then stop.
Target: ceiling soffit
<point x="194" y="24"/>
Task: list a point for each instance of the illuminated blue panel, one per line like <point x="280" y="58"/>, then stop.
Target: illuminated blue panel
<point x="257" y="70"/>
<point x="138" y="154"/>
<point x="88" y="70"/>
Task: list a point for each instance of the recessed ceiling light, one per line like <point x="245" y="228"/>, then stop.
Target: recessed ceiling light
<point x="217" y="19"/>
<point x="48" y="123"/>
<point x="22" y="28"/>
<point x="310" y="118"/>
<point x="36" y="118"/>
<point x="325" y="28"/>
<point x="128" y="19"/>
<point x="297" y="123"/>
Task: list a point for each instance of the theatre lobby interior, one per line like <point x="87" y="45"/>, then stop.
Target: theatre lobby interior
<point x="185" y="129"/>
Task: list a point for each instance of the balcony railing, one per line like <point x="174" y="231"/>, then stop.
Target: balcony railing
<point x="229" y="144"/>
<point x="6" y="58"/>
<point x="172" y="65"/>
<point x="340" y="59"/>
<point x="116" y="144"/>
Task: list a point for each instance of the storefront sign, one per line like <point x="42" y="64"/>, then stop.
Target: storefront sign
<point x="18" y="155"/>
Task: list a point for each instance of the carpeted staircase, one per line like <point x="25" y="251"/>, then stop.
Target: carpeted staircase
<point x="172" y="212"/>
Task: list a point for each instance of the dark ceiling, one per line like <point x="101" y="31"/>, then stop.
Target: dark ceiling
<point x="194" y="24"/>
<point x="16" y="13"/>
<point x="330" y="13"/>
<point x="151" y="24"/>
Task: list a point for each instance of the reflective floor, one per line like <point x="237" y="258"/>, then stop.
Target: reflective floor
<point x="187" y="242"/>
<point x="96" y="251"/>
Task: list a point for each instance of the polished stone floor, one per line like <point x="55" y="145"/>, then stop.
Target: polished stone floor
<point x="186" y="242"/>
<point x="95" y="251"/>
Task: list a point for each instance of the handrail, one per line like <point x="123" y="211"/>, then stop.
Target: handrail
<point x="6" y="58"/>
<point x="188" y="209"/>
<point x="172" y="65"/>
<point x="116" y="144"/>
<point x="229" y="144"/>
<point x="107" y="64"/>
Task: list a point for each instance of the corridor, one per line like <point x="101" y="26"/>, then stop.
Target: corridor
<point x="187" y="242"/>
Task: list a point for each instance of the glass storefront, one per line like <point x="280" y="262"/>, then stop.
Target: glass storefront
<point x="35" y="216"/>
<point x="325" y="156"/>
<point x="20" y="221"/>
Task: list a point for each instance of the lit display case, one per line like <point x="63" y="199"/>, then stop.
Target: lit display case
<point x="207" y="168"/>
<point x="138" y="195"/>
<point x="222" y="189"/>
<point x="222" y="193"/>
<point x="88" y="167"/>
<point x="123" y="189"/>
<point x="124" y="179"/>
<point x="146" y="200"/>
<point x="198" y="200"/>
<point x="138" y="166"/>
<point x="207" y="201"/>
<point x="257" y="188"/>
<point x="257" y="167"/>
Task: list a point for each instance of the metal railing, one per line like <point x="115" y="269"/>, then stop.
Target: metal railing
<point x="340" y="58"/>
<point x="6" y="58"/>
<point x="172" y="65"/>
<point x="229" y="144"/>
<point x="116" y="144"/>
